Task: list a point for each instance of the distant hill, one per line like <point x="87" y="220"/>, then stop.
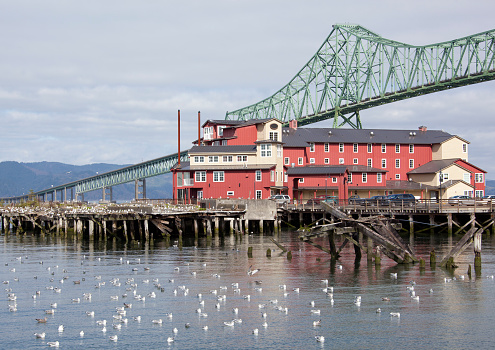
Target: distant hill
<point x="490" y="187"/>
<point x="19" y="178"/>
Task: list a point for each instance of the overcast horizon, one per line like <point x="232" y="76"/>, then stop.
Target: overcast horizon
<point x="101" y="82"/>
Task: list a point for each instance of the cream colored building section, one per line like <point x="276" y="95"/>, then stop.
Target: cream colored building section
<point x="452" y="148"/>
<point x="459" y="189"/>
<point x="263" y="134"/>
<point x="264" y="129"/>
<point x="454" y="171"/>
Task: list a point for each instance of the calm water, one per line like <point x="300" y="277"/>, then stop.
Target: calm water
<point x="457" y="315"/>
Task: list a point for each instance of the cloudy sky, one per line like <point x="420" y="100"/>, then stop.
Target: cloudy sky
<point x="101" y="81"/>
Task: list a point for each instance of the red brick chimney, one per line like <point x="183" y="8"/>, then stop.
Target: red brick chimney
<point x="422" y="128"/>
<point x="293" y="124"/>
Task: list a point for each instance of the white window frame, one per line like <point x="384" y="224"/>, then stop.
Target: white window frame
<point x="311" y="161"/>
<point x="326" y="147"/>
<point x="266" y="149"/>
<point x="311" y="146"/>
<point x="411" y="163"/>
<point x="227" y="159"/>
<point x="349" y="178"/>
<point x="370" y="148"/>
<point x="220" y="130"/>
<point x="286" y="161"/>
<point x="411" y="148"/>
<point x="355" y="148"/>
<point x="273" y="135"/>
<point x="334" y="180"/>
<point x="230" y="193"/>
<point x="365" y="178"/>
<point x="397" y="148"/>
<point x="280" y="152"/>
<point x="219" y="176"/>
<point x="464" y="148"/>
<point x="259" y="194"/>
<point x="384" y="163"/>
<point x="272" y="175"/>
<point x="369" y="162"/>
<point x="479" y="193"/>
<point x="479" y="178"/>
<point x="258" y="176"/>
<point x="341" y="148"/>
<point x="327" y="160"/>
<point x="355" y="161"/>
<point x="468" y="176"/>
<point x="384" y="148"/>
<point x="379" y="178"/>
<point x="301" y="180"/>
<point x="341" y="160"/>
<point x="300" y="161"/>
<point x="397" y="176"/>
<point x="212" y="159"/>
<point x="242" y="158"/>
<point x="445" y="177"/>
<point x="199" y="159"/>
<point x="397" y="164"/>
<point x="200" y="176"/>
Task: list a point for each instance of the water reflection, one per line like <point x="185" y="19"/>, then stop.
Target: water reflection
<point x="205" y="265"/>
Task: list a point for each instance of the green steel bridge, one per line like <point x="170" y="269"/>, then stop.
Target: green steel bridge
<point x="355" y="69"/>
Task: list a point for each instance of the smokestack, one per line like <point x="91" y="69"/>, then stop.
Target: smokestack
<point x="199" y="129"/>
<point x="178" y="138"/>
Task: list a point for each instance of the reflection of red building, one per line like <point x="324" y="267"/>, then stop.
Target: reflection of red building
<point x="258" y="158"/>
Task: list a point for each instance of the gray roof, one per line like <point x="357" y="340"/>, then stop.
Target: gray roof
<point x="316" y="170"/>
<point x="433" y="166"/>
<point x="223" y="149"/>
<point x="302" y="136"/>
<point x="407" y="185"/>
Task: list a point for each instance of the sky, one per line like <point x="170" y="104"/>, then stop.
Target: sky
<point x="101" y="81"/>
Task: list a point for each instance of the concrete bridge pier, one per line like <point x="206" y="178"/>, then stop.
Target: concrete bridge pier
<point x="140" y="188"/>
<point x="107" y="194"/>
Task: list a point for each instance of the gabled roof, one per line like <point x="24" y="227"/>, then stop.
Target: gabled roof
<point x="401" y="185"/>
<point x="223" y="149"/>
<point x="302" y="136"/>
<point x="239" y="123"/>
<point x="433" y="166"/>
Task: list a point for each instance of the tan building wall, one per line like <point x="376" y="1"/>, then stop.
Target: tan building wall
<point x="452" y="148"/>
<point x="456" y="190"/>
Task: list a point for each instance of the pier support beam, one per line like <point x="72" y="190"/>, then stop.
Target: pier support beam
<point x="91" y="228"/>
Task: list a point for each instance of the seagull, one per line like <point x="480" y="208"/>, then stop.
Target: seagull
<point x="41" y="320"/>
<point x="395" y="314"/>
<point x="393" y="275"/>
<point x="61" y="328"/>
<point x="315" y="312"/>
<point x="378" y="310"/>
<point x="252" y="272"/>
<point x="53" y="344"/>
<point x="114" y="337"/>
<point x="205" y="328"/>
<point x="385" y="299"/>
<point x="316" y="323"/>
<point x="81" y="334"/>
<point x="40" y="335"/>
<point x="159" y="321"/>
<point x="170" y="340"/>
<point x="255" y="331"/>
<point x="229" y="323"/>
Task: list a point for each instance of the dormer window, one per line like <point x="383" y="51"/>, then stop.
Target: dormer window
<point x="273" y="136"/>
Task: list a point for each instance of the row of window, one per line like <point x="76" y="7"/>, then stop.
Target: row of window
<point x="300" y="161"/>
<point x="216" y="159"/>
<point x="219" y="176"/>
<point x="369" y="147"/>
<point x="364" y="178"/>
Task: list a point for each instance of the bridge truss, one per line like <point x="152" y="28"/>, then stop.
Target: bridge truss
<point x="356" y="69"/>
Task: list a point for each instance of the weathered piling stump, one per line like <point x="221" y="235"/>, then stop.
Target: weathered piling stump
<point x="289" y="255"/>
<point x="433" y="258"/>
<point x="250" y="252"/>
<point x="268" y="253"/>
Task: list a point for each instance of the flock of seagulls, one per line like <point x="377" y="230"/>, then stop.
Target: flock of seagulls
<point x="227" y="305"/>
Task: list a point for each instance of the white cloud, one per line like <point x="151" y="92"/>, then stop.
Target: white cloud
<point x="101" y="81"/>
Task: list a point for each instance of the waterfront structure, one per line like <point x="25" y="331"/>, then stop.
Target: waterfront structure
<point x="259" y="158"/>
